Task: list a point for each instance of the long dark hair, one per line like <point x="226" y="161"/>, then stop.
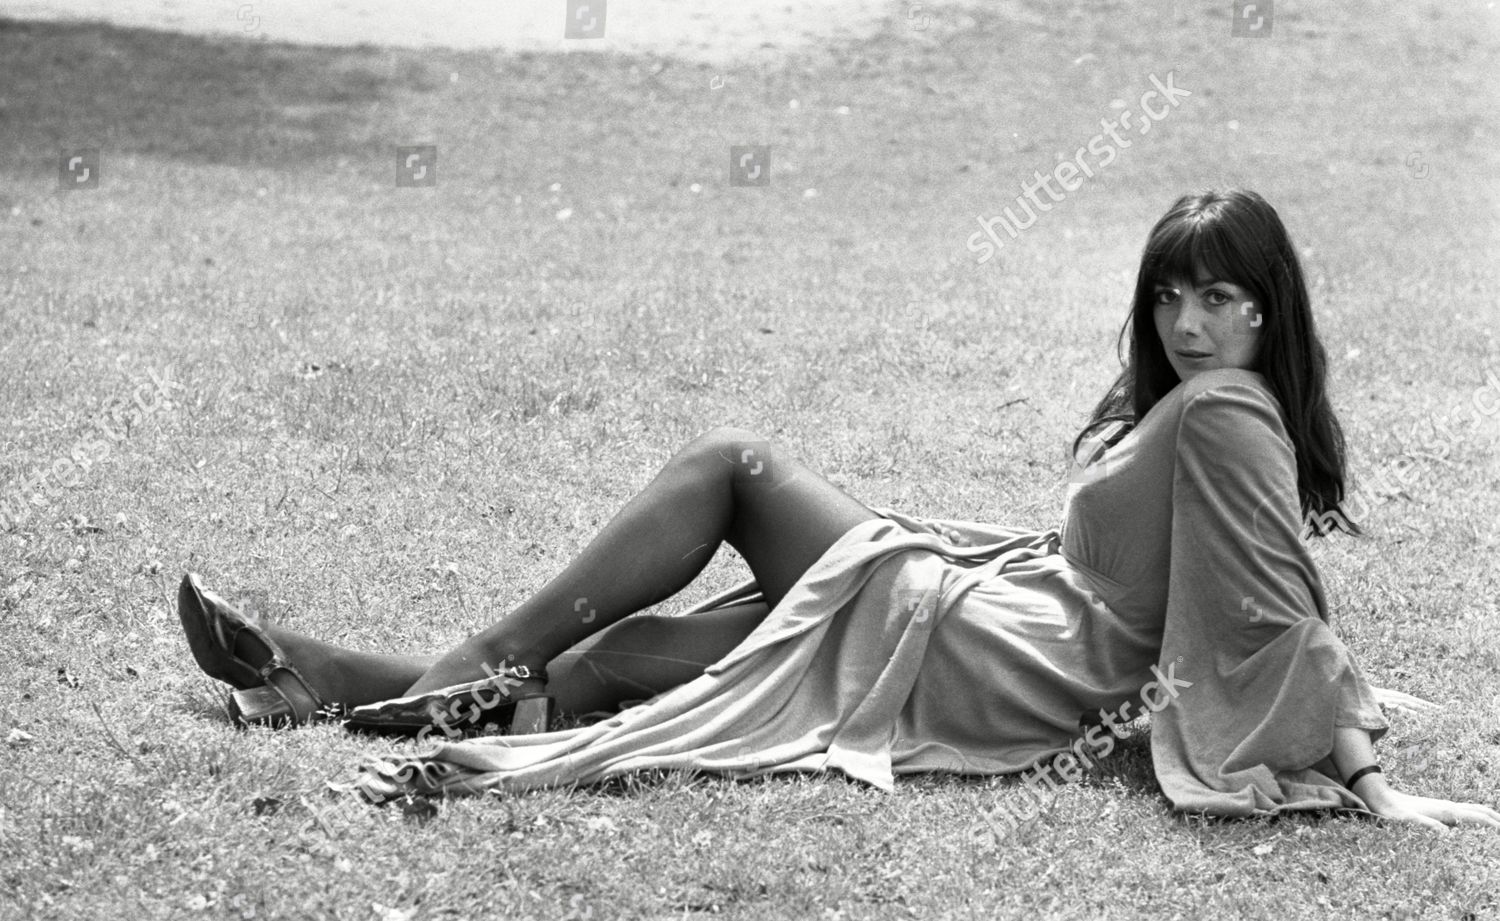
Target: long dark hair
<point x="1236" y="236"/>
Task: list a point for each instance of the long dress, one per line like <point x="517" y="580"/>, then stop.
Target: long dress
<point x="1178" y="584"/>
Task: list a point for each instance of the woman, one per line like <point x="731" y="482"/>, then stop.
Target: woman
<point x="1180" y="580"/>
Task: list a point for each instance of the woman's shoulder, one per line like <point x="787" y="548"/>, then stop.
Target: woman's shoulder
<point x="1227" y="381"/>
<point x="1229" y="406"/>
<point x="1223" y="407"/>
<point x="1224" y="390"/>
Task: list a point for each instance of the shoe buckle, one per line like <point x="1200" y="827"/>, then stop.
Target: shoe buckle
<point x="272" y="664"/>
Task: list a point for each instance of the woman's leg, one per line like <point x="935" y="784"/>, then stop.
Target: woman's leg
<point x="635" y="659"/>
<point x="344" y="675"/>
<point x="727" y="485"/>
<point x="640" y="657"/>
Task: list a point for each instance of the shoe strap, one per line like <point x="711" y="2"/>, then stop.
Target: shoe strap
<point x="524" y="672"/>
<point x="294" y="688"/>
<point x="227" y="623"/>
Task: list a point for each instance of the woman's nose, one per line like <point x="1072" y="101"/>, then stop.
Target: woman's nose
<point x="1189" y="318"/>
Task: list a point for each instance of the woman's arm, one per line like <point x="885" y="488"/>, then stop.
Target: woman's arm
<point x="1269" y="689"/>
<point x="1352" y="750"/>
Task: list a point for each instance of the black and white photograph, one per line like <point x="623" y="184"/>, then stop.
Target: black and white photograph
<point x="599" y="460"/>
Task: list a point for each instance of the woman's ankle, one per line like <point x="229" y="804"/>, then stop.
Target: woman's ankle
<point x="524" y="670"/>
<point x="313" y="662"/>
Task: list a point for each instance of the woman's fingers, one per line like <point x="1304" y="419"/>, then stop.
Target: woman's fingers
<point x="1416" y="704"/>
<point x="1399" y="700"/>
<point x="1437" y="814"/>
<point x="1476" y="814"/>
<point x="1428" y="822"/>
<point x="1446" y="813"/>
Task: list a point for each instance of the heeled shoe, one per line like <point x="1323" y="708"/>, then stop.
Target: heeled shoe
<point x="493" y="702"/>
<point x="213" y="626"/>
<point x="269" y="690"/>
<point x="286" y="699"/>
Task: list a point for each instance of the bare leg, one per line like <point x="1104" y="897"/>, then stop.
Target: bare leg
<point x="727" y="485"/>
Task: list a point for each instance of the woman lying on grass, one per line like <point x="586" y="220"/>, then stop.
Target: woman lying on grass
<point x="878" y="643"/>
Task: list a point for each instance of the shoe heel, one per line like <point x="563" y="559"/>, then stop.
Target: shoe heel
<point x="532" y="715"/>
<point x="262" y="706"/>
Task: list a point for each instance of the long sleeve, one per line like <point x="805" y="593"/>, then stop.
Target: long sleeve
<point x="1262" y="680"/>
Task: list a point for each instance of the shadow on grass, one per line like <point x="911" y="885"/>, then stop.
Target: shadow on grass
<point x="1128" y="769"/>
<point x="205" y="100"/>
<point x="206" y="701"/>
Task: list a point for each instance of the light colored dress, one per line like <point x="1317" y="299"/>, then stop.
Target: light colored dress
<point x="1178" y="581"/>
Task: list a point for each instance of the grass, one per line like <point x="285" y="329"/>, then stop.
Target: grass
<point x="400" y="410"/>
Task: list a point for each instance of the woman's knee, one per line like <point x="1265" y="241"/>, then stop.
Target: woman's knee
<point x="724" y="441"/>
<point x="741" y="453"/>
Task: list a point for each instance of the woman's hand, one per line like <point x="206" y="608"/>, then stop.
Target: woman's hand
<point x="1397" y="700"/>
<point x="1436" y="814"/>
<point x="1352" y="751"/>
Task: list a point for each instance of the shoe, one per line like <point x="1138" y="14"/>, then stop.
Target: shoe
<point x="268" y="688"/>
<point x="498" y="701"/>
<point x="213" y="627"/>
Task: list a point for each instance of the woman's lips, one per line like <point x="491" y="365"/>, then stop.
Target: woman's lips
<point x="1189" y="354"/>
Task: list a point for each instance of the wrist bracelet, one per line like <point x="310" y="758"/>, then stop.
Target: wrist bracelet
<point x="1354" y="778"/>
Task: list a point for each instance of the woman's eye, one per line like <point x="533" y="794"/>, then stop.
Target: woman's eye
<point x="1218" y="298"/>
<point x="1165" y="296"/>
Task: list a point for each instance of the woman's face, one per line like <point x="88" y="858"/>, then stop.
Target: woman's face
<point x="1206" y="324"/>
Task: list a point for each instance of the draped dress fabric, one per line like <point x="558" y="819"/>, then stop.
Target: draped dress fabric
<point x="920" y="645"/>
